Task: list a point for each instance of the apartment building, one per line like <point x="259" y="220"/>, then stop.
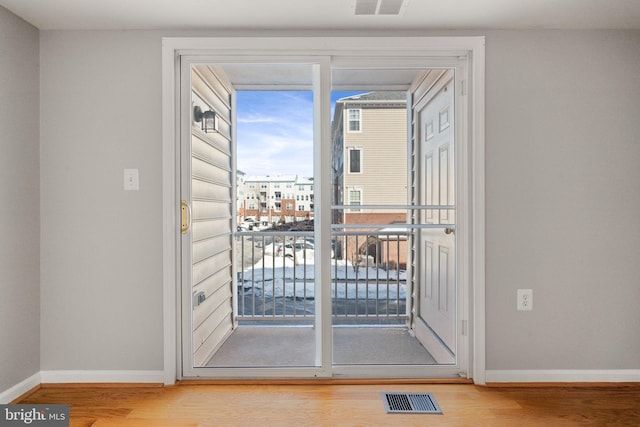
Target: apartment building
<point x="369" y="135"/>
<point x="370" y="155"/>
<point x="275" y="199"/>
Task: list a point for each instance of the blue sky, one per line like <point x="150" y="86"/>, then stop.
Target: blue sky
<point x="275" y="132"/>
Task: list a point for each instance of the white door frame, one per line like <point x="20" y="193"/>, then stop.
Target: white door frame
<point x="470" y="49"/>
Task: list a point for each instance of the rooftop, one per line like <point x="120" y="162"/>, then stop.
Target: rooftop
<point x="396" y="95"/>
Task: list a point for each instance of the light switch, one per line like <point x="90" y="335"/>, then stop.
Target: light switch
<point x="131" y="180"/>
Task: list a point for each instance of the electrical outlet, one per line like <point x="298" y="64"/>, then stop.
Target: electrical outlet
<point x="525" y="299"/>
<point x="198" y="298"/>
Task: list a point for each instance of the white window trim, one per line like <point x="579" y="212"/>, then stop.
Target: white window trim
<point x="348" y="120"/>
<point x="439" y="50"/>
<point x="359" y="190"/>
<point x="360" y="149"/>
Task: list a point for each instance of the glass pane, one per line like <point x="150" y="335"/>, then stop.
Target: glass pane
<point x="354" y="161"/>
<point x="380" y="271"/>
<point x="271" y="296"/>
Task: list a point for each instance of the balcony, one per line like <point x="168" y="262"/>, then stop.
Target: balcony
<point x="276" y="301"/>
<point x="276" y="277"/>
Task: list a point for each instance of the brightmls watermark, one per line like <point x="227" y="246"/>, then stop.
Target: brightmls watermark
<point x="34" y="415"/>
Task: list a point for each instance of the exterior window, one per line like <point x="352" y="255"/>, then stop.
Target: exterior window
<point x="301" y="207"/>
<point x="353" y="119"/>
<point x="355" y="198"/>
<point x="278" y="206"/>
<point x="355" y="165"/>
<point x="289" y="206"/>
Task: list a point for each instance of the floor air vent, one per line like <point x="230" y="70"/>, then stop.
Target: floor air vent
<point x="410" y="403"/>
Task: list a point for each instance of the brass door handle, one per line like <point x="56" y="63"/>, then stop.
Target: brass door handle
<point x="449" y="230"/>
<point x="185" y="211"/>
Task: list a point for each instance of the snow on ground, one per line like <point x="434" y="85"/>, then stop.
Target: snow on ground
<point x="280" y="277"/>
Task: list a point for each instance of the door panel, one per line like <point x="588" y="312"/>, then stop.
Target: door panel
<point x="444" y="181"/>
<point x="428" y="171"/>
<point x="437" y="301"/>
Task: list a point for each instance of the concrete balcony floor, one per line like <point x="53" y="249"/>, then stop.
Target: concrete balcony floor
<point x="294" y="346"/>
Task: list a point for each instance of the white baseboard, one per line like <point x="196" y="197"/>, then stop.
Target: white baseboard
<point x="58" y="377"/>
<point x="102" y="377"/>
<point x="564" y="375"/>
<point x="19" y="389"/>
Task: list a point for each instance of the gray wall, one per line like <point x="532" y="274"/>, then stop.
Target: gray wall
<point x="101" y="245"/>
<point x="19" y="201"/>
<point x="563" y="182"/>
<point x="563" y="200"/>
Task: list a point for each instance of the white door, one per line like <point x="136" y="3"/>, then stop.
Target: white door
<point x="207" y="209"/>
<point x="437" y="282"/>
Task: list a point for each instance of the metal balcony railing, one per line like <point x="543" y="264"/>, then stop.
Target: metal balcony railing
<point x="275" y="276"/>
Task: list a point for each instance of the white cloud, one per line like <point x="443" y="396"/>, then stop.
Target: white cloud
<point x="275" y="133"/>
<point x="257" y="119"/>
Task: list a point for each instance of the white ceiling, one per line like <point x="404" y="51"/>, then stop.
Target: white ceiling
<point x="325" y="14"/>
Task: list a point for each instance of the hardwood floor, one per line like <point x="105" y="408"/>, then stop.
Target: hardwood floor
<point x="341" y="405"/>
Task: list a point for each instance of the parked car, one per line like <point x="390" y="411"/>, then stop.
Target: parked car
<point x="250" y="224"/>
<point x="303" y="249"/>
<point x="333" y="246"/>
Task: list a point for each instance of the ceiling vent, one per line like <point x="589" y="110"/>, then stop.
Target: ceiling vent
<point x="379" y="7"/>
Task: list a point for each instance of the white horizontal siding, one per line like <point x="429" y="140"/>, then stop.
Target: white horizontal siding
<point x="217" y="290"/>
<point x="202" y="249"/>
<point x="207" y="172"/>
<point x="207" y="229"/>
<point x="211" y="334"/>
<point x="210" y="265"/>
<point x="211" y="194"/>
<point x="212" y="147"/>
<point x="201" y="190"/>
<point x="383" y="142"/>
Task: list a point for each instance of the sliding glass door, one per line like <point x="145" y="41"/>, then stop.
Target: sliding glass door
<point x="318" y="208"/>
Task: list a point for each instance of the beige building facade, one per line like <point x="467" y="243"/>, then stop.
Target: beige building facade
<point x="370" y="153"/>
<point x="370" y="162"/>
